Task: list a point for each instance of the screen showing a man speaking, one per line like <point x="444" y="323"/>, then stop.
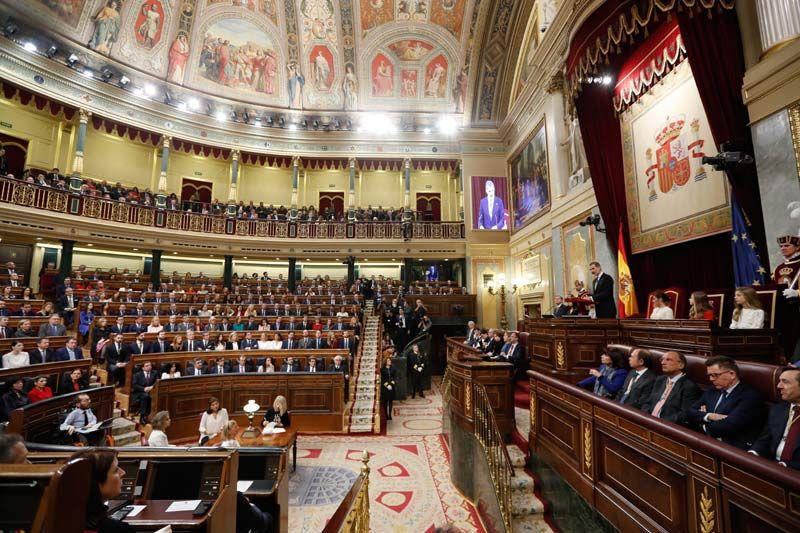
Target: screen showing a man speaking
<point x="490" y="202"/>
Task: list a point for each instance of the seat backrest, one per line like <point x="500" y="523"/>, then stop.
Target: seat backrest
<point x="769" y="301"/>
<point x="67" y="496"/>
<point x="677" y="301"/>
<point x="718" y="300"/>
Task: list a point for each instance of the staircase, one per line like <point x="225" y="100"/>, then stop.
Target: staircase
<point x="124" y="431"/>
<point x="527" y="510"/>
<point x="365" y="407"/>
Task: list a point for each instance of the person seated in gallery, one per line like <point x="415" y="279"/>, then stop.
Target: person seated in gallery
<point x="290" y="365"/>
<point x="267" y="367"/>
<point x="160" y="423"/>
<point x="25" y="329"/>
<point x="730" y="410"/>
<point x="496" y="343"/>
<point x="747" y="312"/>
<point x="173" y="372"/>
<point x="699" y="307"/>
<point x="673" y="392"/>
<point x="314" y="366"/>
<point x="212" y="421"/>
<point x="560" y="308"/>
<point x="75" y="381"/>
<point x="607" y="380"/>
<point x="221" y="367"/>
<point x="13" y="399"/>
<point x="780" y="439"/>
<point x="81" y="417"/>
<point x="242" y="366"/>
<point x="40" y="390"/>
<point x="229" y="433"/>
<point x="17" y="357"/>
<point x="278" y="413"/>
<point x="661" y="308"/>
<point x="13" y="450"/>
<point x="106" y="484"/>
<point x="117" y="356"/>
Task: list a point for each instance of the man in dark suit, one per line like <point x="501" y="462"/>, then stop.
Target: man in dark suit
<point x="242" y="366"/>
<point x="160" y="345"/>
<point x="473" y="333"/>
<point x="191" y="344"/>
<point x="605" y="305"/>
<point x="195" y="369"/>
<point x="319" y="343"/>
<point x="639" y="383"/>
<point x="143" y="383"/>
<point x="560" y="308"/>
<point x="249" y="343"/>
<point x="780" y="440"/>
<point x="313" y="366"/>
<point x="515" y="355"/>
<point x="42" y="353"/>
<point x="138" y="325"/>
<point x="673" y="392"/>
<point x="306" y="342"/>
<point x="220" y="368"/>
<point x="70" y="352"/>
<point x="119" y="326"/>
<point x="53" y="328"/>
<point x="206" y="343"/>
<point x="290" y="365"/>
<point x="117" y="358"/>
<point x="290" y="343"/>
<point x="5" y="331"/>
<point x="730" y="410"/>
<point x="139" y="346"/>
<point x="348" y="342"/>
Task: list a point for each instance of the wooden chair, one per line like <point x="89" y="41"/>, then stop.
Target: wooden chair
<point x="717" y="302"/>
<point x="769" y="302"/>
<point x="677" y="301"/>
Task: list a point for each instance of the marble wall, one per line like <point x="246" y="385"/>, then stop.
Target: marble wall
<point x="777" y="178"/>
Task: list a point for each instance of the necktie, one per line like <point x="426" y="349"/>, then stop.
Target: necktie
<point x="630" y="387"/>
<point x="161" y="343"/>
<point x="793" y="435"/>
<point x="71" y="355"/>
<point x="139" y="344"/>
<point x="288" y="367"/>
<point x="53" y="329"/>
<point x="657" y="409"/>
<point x="118" y="348"/>
<point x="191" y="346"/>
<point x="85" y="418"/>
<point x="721" y="399"/>
<point x="147" y="377"/>
<point x="313" y="369"/>
<point x="317" y="344"/>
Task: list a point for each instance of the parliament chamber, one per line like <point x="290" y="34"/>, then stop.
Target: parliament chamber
<point x="448" y="266"/>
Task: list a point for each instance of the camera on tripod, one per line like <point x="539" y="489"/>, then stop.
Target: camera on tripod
<point x="728" y="158"/>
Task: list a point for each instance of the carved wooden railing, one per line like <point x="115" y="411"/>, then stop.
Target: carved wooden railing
<point x="352" y="515"/>
<point x="19" y="193"/>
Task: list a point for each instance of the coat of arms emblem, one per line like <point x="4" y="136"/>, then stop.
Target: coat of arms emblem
<point x="677" y="157"/>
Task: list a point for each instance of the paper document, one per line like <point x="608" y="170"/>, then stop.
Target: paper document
<point x="165" y="529"/>
<point x="183" y="505"/>
<point x="90" y="428"/>
<point x="271" y="431"/>
<point x="242" y="486"/>
<point x="136" y="510"/>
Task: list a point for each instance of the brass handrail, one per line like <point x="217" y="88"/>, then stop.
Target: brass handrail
<point x="352" y="515"/>
<point x="488" y="434"/>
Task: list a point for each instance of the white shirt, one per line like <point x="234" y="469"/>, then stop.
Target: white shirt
<point x="155" y="329"/>
<point x="158" y="438"/>
<point x="212" y="424"/>
<point x="782" y="443"/>
<point x="749" y="319"/>
<point x="662" y="313"/>
<point x="12" y="360"/>
<point x="165" y="375"/>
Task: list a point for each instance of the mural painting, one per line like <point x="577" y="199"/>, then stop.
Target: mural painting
<point x="239" y="55"/>
<point x="382" y="76"/>
<point x="530" y="180"/>
<point x="106" y="27"/>
<point x="449" y="14"/>
<point x="67" y="11"/>
<point x="149" y="24"/>
<point x="178" y="58"/>
<point x="408" y="83"/>
<point x="460" y="90"/>
<point x="350" y="86"/>
<point x="410" y="49"/>
<point x="270" y="9"/>
<point x="375" y="13"/>
<point x="415" y="10"/>
<point x="436" y="78"/>
<point x="322" y="74"/>
<point x="317" y="20"/>
<point x="296" y="82"/>
<point x="248" y="4"/>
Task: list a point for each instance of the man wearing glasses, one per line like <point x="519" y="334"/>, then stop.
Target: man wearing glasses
<point x="730" y="411"/>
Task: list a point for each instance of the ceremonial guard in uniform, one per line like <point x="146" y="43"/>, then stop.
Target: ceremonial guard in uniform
<point x="788" y="274"/>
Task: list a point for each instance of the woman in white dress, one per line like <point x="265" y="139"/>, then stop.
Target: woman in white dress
<point x="263" y="343"/>
<point x="16" y="358"/>
<point x="277" y="342"/>
<point x="160" y="423"/>
<point x="747" y="313"/>
<point x="155" y="326"/>
<point x="661" y="308"/>
<point x="213" y="420"/>
<point x="268" y="366"/>
<point x="172" y="373"/>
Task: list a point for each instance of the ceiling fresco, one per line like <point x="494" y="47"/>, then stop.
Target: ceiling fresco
<point x="326" y="55"/>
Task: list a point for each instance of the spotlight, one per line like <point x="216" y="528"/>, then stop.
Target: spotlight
<point x="10" y="28"/>
<point x="89" y="73"/>
<point x="221" y="115"/>
<point x="426" y="131"/>
<point x="52" y="51"/>
<point x="447" y="125"/>
<point x="606" y="80"/>
<point x="30" y="47"/>
<point x="304" y="124"/>
<point x="149" y="90"/>
<point x="593" y="220"/>
<point x="315" y="124"/>
<point x="194" y="104"/>
<point x="124" y="81"/>
<point x="292" y="127"/>
<point x="257" y="121"/>
<point x="270" y="121"/>
<point x="72" y="59"/>
<point x="106" y="74"/>
<point x="282" y="122"/>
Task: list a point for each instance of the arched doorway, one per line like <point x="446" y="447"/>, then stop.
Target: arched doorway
<point x="332" y="200"/>
<point x="429" y="206"/>
<point x="16" y="154"/>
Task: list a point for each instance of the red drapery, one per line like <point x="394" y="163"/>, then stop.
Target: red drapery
<point x="432" y="200"/>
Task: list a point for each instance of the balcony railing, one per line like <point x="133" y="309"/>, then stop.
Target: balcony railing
<point x="28" y="195"/>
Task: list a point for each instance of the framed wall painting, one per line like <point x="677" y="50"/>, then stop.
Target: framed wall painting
<point x="530" y="179"/>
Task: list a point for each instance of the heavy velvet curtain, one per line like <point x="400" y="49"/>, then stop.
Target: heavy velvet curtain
<point x="715" y="55"/>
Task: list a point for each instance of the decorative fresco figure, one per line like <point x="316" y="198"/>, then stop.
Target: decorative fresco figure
<point x="383" y="80"/>
<point x="296" y="83"/>
<point x="460" y="91"/>
<point x="408" y="88"/>
<point x="178" y="56"/>
<point x="148" y="25"/>
<point x="322" y="70"/>
<point x="106" y="27"/>
<point x="435" y="85"/>
<point x="350" y="88"/>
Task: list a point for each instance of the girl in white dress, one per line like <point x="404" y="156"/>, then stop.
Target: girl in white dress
<point x="747" y="313"/>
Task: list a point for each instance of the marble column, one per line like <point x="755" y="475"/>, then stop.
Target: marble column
<point x="295" y="186"/>
<point x="155" y="269"/>
<point x="778" y="21"/>
<point x="75" y="181"/>
<point x="351" y="194"/>
<point x="234" y="181"/>
<point x="227" y="272"/>
<point x="460" y="190"/>
<point x="407" y="190"/>
<point x="161" y="196"/>
<point x="65" y="264"/>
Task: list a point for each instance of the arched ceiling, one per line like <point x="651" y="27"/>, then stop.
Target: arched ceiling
<point x="322" y="55"/>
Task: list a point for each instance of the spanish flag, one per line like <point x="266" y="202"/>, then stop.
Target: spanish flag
<point x="626" y="302"/>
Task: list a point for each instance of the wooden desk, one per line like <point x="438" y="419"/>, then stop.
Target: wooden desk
<point x="283" y="440"/>
<point x="155" y="516"/>
<point x="52" y="371"/>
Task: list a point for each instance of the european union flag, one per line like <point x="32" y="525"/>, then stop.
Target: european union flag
<point x="747" y="269"/>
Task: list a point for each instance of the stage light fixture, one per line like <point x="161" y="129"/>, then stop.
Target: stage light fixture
<point x="106" y="74"/>
<point x="282" y="122"/>
<point x="304" y="124"/>
<point x="72" y="59"/>
<point x="292" y="127"/>
<point x="606" y="80"/>
<point x="52" y="51"/>
<point x="10" y="28"/>
<point x="221" y="115"/>
<point x="149" y="90"/>
<point x="124" y="81"/>
<point x="194" y="104"/>
<point x="89" y="73"/>
<point x="447" y="125"/>
<point x="315" y="124"/>
<point x="30" y="47"/>
<point x="270" y="121"/>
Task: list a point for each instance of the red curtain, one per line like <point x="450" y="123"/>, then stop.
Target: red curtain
<point x="190" y="186"/>
<point x="432" y="200"/>
<point x="714" y="47"/>
<point x="333" y="200"/>
<point x="16" y="153"/>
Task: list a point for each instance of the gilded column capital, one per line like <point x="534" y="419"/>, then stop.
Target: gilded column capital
<point x="556" y="83"/>
<point x="296" y="161"/>
<point x="83" y="115"/>
<point x="352" y="162"/>
<point x="407" y="163"/>
<point x="235" y="154"/>
<point x="166" y="140"/>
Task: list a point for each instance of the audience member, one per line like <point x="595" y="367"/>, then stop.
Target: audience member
<point x="16" y="358"/>
<point x="700" y="308"/>
<point x="730" y="410"/>
<point x="229" y="433"/>
<point x="70" y="352"/>
<point x="117" y="357"/>
<point x="388" y="377"/>
<point x="278" y="413"/>
<point x="160" y="423"/>
<point x="213" y="420"/>
<point x="13" y="450"/>
<point x="607" y="380"/>
<point x="172" y="372"/>
<point x="639" y="381"/>
<point x="73" y="382"/>
<point x="143" y="383"/>
<point x="417" y="362"/>
<point x="661" y="308"/>
<point x="82" y="417"/>
<point x="40" y="390"/>
<point x="268" y="366"/>
<point x="747" y="312"/>
<point x="53" y="328"/>
<point x="780" y="439"/>
<point x="13" y="399"/>
<point x="106" y="484"/>
<point x="673" y="393"/>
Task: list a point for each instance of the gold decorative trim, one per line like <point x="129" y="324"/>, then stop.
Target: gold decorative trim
<point x="707" y="514"/>
<point x="533" y="412"/>
<point x="794" y="125"/>
<point x="468" y="398"/>
<point x="587" y="449"/>
<point x="561" y="360"/>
